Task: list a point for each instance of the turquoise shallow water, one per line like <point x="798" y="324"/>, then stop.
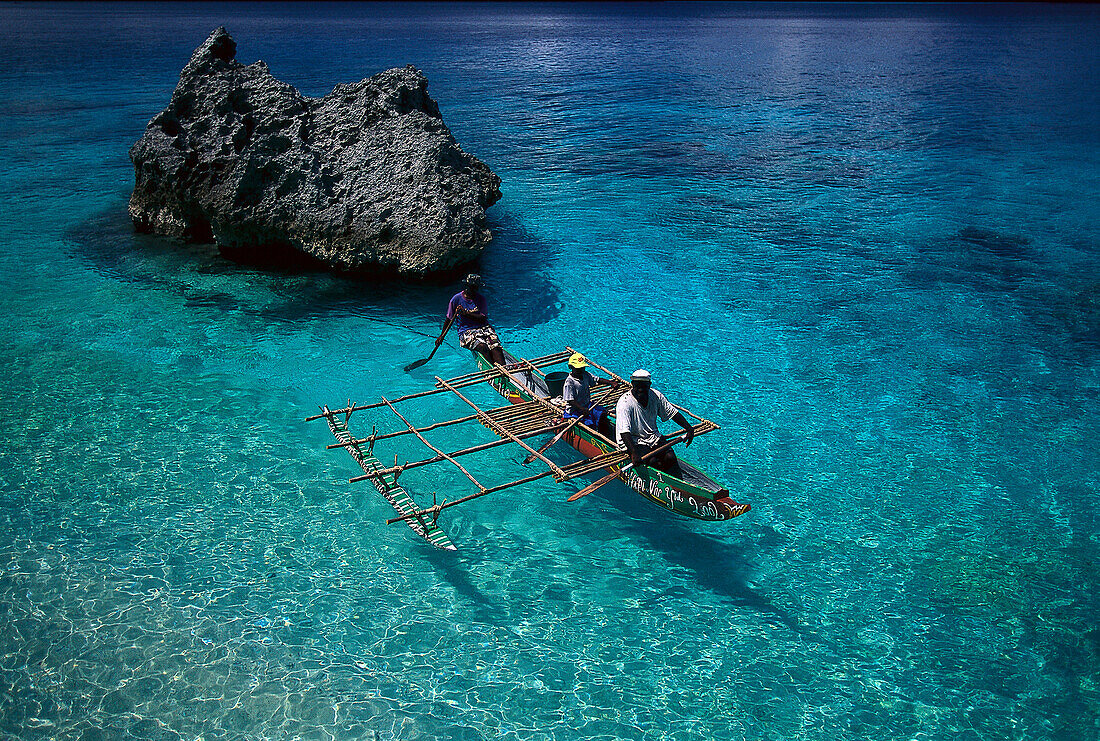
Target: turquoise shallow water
<point x="863" y="240"/>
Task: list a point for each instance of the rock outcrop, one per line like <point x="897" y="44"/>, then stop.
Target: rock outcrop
<point x="366" y="179"/>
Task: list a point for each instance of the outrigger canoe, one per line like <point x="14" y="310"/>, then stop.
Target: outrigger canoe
<point x="532" y="411"/>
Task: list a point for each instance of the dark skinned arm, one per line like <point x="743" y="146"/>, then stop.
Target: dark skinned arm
<point x="575" y="406"/>
<point x="678" y="418"/>
<point x="577" y="409"/>
<point x="605" y="382"/>
<point x="472" y="313"/>
<point x="628" y="441"/>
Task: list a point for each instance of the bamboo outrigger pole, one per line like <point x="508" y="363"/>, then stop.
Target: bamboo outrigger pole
<point x="706" y="422"/>
<point x="527" y="363"/>
<point x="501" y="413"/>
<point x="599" y="367"/>
<point x="541" y="362"/>
<point x="588" y="465"/>
<point x="437" y="450"/>
<point x="374" y="438"/>
<point x="503" y="431"/>
<point x="491" y="490"/>
<point x="436" y="459"/>
<point x="471" y="379"/>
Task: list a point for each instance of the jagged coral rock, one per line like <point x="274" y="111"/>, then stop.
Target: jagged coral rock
<point x="367" y="178"/>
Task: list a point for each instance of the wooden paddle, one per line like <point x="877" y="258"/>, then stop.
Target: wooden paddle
<point x="572" y="424"/>
<point x="597" y="484"/>
<point x="438" y="342"/>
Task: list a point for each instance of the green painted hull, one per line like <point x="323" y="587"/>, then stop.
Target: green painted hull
<point x="696" y="496"/>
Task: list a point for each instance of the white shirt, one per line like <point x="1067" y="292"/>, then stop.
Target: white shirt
<point x="641" y="421"/>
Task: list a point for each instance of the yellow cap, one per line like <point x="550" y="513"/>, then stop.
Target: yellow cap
<point x="576" y="360"/>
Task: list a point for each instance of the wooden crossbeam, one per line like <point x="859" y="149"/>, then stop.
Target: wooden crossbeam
<point x="531" y="367"/>
<point x="551" y="358"/>
<point x="531" y="416"/>
<point x="544" y="403"/>
<point x="598" y="366"/>
<point x="485" y="375"/>
<point x="480" y="378"/>
<point x="500" y="413"/>
<point x="470" y="379"/>
<point x="696" y="416"/>
<point x="521" y="409"/>
<point x="588" y="465"/>
<point x="435" y="510"/>
<point x="533" y="424"/>
<point x="399" y="433"/>
<point x="437" y="450"/>
<point x="499" y="429"/>
<point x="441" y="457"/>
<point x="528" y="363"/>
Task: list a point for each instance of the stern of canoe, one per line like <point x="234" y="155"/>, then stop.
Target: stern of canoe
<point x="701" y="498"/>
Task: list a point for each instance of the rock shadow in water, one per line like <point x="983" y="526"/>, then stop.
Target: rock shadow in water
<point x="521" y="294"/>
<point x="1008" y="246"/>
<point x="1064" y="302"/>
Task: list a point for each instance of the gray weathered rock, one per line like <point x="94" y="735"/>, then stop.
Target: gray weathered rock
<point x="367" y="178"/>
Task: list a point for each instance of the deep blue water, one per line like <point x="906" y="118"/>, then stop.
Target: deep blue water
<point x="865" y="240"/>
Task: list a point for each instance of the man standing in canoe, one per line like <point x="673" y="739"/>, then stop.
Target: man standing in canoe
<point x="470" y="310"/>
<point x="576" y="392"/>
<point x="636" y="424"/>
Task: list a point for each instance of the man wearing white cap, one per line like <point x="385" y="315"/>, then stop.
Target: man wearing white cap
<point x="636" y="424"/>
<point x="576" y="392"/>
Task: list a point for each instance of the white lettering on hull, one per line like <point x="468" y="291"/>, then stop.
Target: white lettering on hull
<point x="674" y="499"/>
<point x="661" y="494"/>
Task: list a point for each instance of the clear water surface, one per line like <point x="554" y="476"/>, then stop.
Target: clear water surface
<point x="863" y="239"/>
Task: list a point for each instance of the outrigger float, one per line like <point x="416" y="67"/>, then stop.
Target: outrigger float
<point x="531" y="411"/>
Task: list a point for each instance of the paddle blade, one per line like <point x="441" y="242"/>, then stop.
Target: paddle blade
<point x="578" y="495"/>
<point x="415" y="364"/>
<point x="592" y="487"/>
<point x="588" y="490"/>
<point x="597" y="484"/>
<point x="542" y="450"/>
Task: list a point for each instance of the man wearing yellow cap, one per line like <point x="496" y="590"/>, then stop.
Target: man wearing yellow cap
<point x="577" y="395"/>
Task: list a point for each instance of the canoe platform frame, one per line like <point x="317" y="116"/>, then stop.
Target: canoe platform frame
<point x="526" y="416"/>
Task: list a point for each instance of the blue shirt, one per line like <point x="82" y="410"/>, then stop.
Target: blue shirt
<point x="477" y="303"/>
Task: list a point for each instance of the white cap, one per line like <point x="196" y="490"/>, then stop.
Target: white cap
<point x="640" y="375"/>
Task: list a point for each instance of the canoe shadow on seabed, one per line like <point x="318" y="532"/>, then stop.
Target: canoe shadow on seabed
<point x="455" y="570"/>
<point x="718" y="565"/>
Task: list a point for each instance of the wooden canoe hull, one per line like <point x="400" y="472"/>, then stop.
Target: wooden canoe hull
<point x="704" y="499"/>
